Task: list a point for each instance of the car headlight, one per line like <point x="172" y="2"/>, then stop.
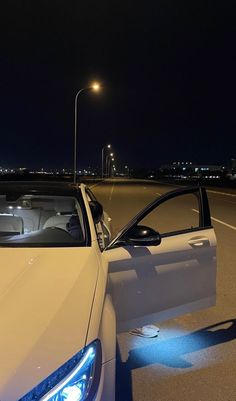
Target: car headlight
<point x="76" y="380"/>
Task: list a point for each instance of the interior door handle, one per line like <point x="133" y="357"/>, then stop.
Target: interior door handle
<point x="198" y="242"/>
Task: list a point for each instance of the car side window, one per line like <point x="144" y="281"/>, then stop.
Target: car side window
<point x="177" y="214"/>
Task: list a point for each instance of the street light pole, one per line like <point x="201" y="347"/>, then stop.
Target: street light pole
<point x="106" y="166"/>
<point x="108" y="147"/>
<point x="127" y="169"/>
<point x="75" y="133"/>
<point x="96" y="88"/>
<point x="108" y="163"/>
<point x="102" y="160"/>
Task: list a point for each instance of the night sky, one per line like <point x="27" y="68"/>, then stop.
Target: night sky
<point x="168" y="71"/>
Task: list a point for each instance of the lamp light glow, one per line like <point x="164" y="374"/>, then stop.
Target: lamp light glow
<point x="96" y="86"/>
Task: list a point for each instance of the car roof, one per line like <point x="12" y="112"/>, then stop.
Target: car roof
<point x="39" y="187"/>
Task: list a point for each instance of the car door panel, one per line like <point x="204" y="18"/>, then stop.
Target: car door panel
<point x="149" y="284"/>
<point x="153" y="283"/>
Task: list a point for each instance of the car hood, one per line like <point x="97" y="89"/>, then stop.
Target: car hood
<point x="46" y="296"/>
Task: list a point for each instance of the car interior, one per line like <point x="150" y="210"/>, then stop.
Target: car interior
<point x="41" y="218"/>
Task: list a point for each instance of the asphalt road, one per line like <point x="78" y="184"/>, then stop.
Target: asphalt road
<point x="194" y="356"/>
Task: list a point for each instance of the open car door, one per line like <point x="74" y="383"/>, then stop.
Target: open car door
<point x="163" y="263"/>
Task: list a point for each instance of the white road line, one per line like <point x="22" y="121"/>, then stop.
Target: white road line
<point x="221" y="193"/>
<point x="218" y="221"/>
<point x="208" y="190"/>
<point x="94" y="185"/>
<point x="112" y="189"/>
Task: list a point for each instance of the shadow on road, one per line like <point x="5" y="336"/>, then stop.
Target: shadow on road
<point x="170" y="353"/>
<point x="123" y="379"/>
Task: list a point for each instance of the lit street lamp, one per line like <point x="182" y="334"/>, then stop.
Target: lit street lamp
<point x="108" y="162"/>
<point x="113" y="170"/>
<point x="105" y="147"/>
<point x="95" y="87"/>
<point x="127" y="169"/>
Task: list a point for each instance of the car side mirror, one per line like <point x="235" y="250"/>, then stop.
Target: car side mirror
<point x="142" y="236"/>
<point x="96" y="210"/>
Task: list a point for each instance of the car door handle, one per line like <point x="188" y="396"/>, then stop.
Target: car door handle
<point x="199" y="242"/>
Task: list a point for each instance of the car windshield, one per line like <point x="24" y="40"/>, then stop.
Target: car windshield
<point x="28" y="220"/>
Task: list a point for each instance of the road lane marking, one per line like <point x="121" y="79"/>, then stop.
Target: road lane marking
<point x="112" y="189"/>
<point x="221" y="193"/>
<point x="94" y="185"/>
<point x="208" y="190"/>
<point x="218" y="221"/>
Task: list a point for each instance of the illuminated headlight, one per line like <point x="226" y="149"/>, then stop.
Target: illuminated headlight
<point x="76" y="380"/>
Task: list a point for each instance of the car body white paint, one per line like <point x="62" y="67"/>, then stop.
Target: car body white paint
<point x="40" y="288"/>
<point x="54" y="301"/>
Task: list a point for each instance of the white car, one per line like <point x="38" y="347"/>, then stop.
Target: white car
<point x="65" y="290"/>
